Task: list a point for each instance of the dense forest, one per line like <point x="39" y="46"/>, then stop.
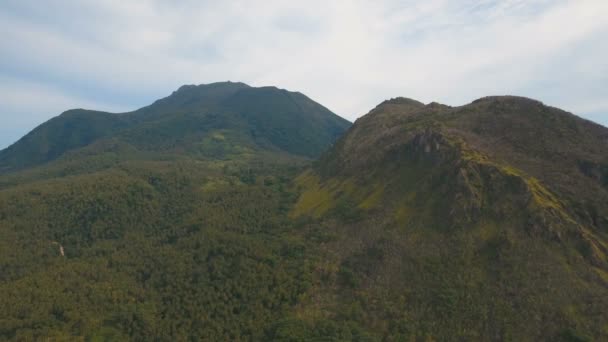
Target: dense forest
<point x="154" y="251"/>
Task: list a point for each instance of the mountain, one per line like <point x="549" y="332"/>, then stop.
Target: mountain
<point x="166" y="223"/>
<point x="213" y="120"/>
<point x="227" y="212"/>
<point x="487" y="221"/>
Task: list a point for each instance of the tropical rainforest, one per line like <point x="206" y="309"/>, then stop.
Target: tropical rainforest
<point x="225" y="212"/>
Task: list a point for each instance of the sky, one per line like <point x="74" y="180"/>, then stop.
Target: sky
<point x="119" y="55"/>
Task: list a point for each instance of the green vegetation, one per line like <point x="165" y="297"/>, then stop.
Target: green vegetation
<point x="201" y="217"/>
<point x="150" y="255"/>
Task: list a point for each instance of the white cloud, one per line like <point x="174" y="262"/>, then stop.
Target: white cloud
<point x="348" y="55"/>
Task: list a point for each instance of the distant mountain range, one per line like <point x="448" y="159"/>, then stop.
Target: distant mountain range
<point x="228" y="212"/>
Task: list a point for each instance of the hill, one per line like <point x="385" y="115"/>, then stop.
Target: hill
<point x="481" y="222"/>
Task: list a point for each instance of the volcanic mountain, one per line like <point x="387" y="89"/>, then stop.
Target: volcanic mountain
<point x="215" y="120"/>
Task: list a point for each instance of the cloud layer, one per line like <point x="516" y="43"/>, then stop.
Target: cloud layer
<point x="119" y="55"/>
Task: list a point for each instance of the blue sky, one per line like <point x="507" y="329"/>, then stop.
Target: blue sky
<point x="119" y="55"/>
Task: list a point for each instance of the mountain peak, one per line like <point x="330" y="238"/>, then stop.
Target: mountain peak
<point x="508" y="99"/>
<point x="403" y="101"/>
<point x="217" y="89"/>
<point x="225" y="84"/>
<point x="396" y="106"/>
